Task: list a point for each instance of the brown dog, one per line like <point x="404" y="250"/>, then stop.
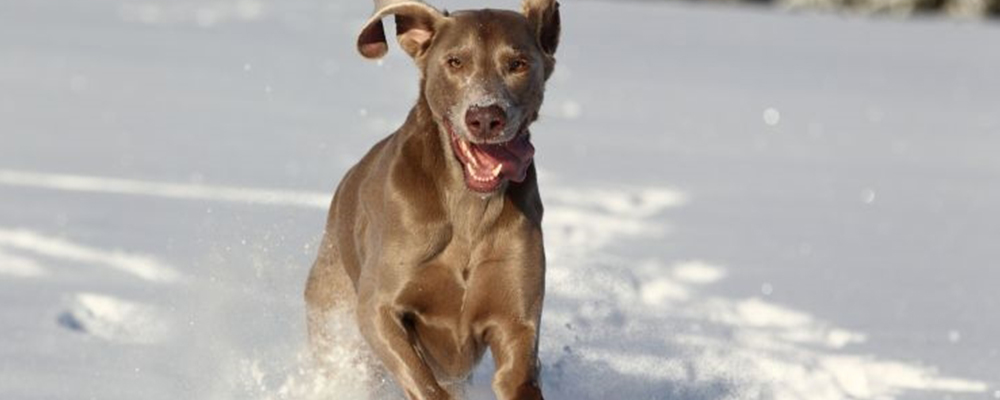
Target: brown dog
<point x="434" y="238"/>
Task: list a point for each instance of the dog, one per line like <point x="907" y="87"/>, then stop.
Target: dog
<point x="434" y="240"/>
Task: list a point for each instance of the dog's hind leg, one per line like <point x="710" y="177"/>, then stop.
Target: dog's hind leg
<point x="330" y="302"/>
<point x="341" y="360"/>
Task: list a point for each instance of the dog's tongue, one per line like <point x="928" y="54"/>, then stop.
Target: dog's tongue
<point x="515" y="155"/>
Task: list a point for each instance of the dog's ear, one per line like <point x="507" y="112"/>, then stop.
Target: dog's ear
<point x="544" y="17"/>
<point x="415" y="25"/>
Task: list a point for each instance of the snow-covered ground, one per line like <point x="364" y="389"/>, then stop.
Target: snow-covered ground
<point x="740" y="204"/>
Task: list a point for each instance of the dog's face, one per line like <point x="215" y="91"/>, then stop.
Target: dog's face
<point x="484" y="76"/>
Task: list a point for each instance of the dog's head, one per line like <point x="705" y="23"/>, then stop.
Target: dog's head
<point x="483" y="75"/>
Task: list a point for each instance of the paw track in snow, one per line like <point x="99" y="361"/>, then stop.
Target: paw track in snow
<point x="114" y="319"/>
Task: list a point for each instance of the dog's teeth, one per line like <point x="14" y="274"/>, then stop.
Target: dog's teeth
<point x="496" y="171"/>
<point x="476" y="177"/>
<point x="468" y="153"/>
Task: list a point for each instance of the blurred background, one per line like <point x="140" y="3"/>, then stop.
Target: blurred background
<point x="793" y="199"/>
<point x="969" y="9"/>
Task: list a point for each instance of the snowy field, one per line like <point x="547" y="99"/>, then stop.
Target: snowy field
<point x="740" y="204"/>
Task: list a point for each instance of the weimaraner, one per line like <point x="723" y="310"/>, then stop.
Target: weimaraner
<point x="434" y="238"/>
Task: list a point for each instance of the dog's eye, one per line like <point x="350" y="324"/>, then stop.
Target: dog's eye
<point x="517" y="65"/>
<point x="454" y="62"/>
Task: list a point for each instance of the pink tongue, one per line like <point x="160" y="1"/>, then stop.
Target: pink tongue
<point x="516" y="157"/>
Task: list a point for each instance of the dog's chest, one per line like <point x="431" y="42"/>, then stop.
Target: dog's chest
<point x="438" y="291"/>
<point x="452" y="298"/>
<point x="443" y="297"/>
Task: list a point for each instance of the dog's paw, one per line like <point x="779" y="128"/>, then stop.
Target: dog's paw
<point x="529" y="391"/>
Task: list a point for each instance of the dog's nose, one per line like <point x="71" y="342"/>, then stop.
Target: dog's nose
<point x="485" y="122"/>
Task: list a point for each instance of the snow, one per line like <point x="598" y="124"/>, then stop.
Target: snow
<point x="740" y="204"/>
<point x="143" y="267"/>
<point x="115" y="320"/>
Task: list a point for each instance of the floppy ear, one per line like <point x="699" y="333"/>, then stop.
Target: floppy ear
<point x="544" y="17"/>
<point x="415" y="26"/>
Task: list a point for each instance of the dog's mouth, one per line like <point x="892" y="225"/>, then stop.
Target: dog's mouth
<point x="487" y="165"/>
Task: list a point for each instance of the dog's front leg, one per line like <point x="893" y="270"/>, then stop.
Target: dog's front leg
<point x="382" y="327"/>
<point x="514" y="345"/>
